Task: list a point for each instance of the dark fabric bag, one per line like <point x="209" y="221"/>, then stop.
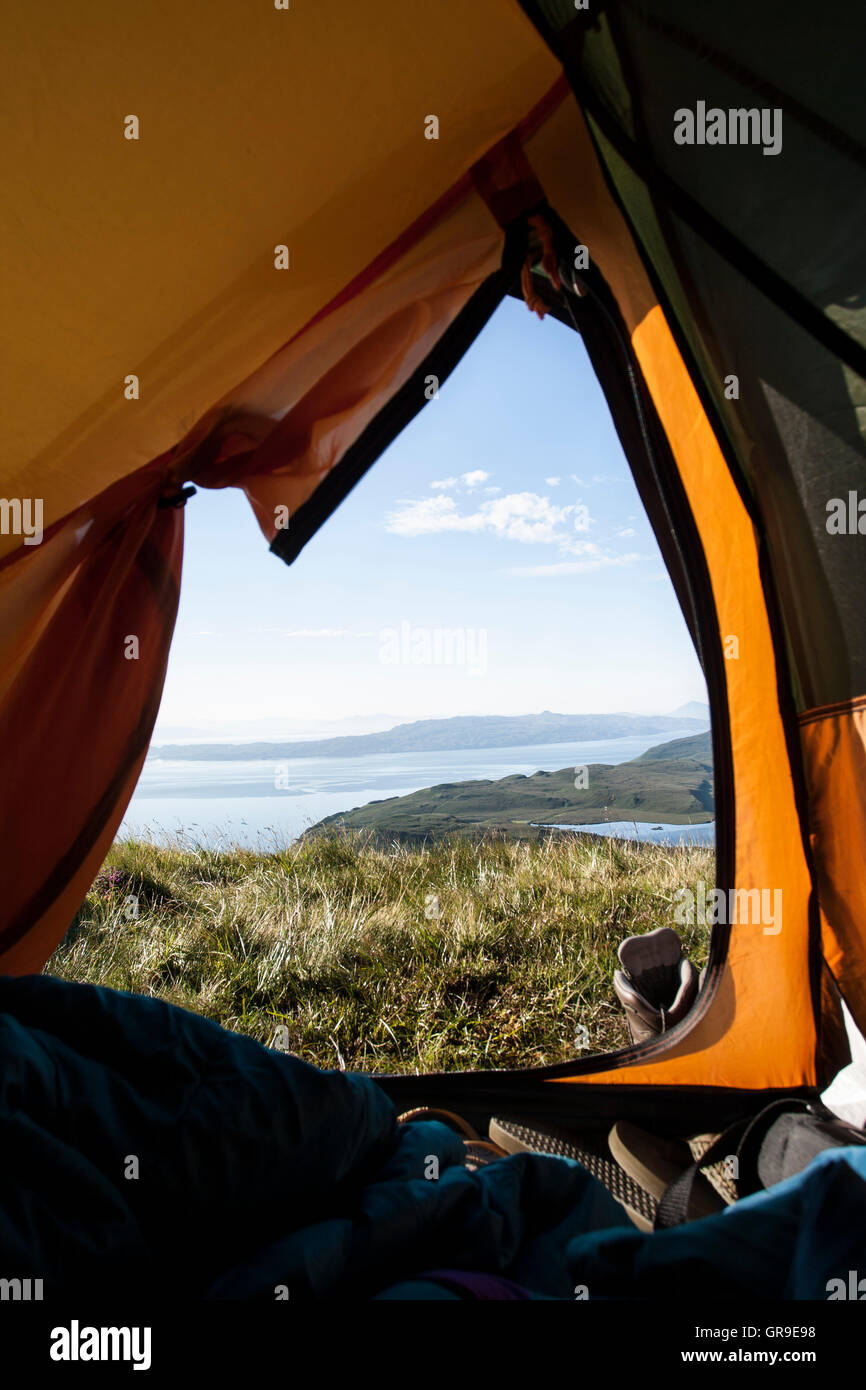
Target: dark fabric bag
<point x="776" y="1144"/>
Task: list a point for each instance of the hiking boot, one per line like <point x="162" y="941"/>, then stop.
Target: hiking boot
<point x="657" y="985"/>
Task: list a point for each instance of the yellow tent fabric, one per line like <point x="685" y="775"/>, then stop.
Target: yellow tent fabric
<point x="155" y="256"/>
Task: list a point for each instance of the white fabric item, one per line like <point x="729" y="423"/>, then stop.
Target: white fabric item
<point x="846" y="1094"/>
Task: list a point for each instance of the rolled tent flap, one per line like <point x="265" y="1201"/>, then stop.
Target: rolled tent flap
<point x="86" y="620"/>
<point x="312" y="400"/>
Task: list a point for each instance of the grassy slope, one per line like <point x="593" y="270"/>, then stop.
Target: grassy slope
<point x="332" y="938"/>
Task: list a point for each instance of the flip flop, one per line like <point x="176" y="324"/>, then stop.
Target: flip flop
<point x="638" y="1204"/>
<point x="654" y="1163"/>
<point x="716" y="1173"/>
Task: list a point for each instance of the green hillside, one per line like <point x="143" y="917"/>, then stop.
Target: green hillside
<point x="671" y="782"/>
<point x="698" y="747"/>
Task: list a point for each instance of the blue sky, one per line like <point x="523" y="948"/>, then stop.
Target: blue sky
<point x="504" y="515"/>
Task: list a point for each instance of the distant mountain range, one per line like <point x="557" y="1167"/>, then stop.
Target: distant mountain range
<point x="446" y="735"/>
<point x="671" y="782"/>
<point x="276" y="727"/>
<point x="695" y="709"/>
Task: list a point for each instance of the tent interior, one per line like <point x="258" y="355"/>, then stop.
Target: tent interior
<point x="241" y="241"/>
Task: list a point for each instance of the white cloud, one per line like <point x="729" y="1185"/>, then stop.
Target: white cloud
<point x="475" y="478"/>
<point x="316" y="632"/>
<point x="596" y="478"/>
<point x="470" y="480"/>
<point x="573" y="566"/>
<point x="431" y="514"/>
<point x="524" y="517"/>
<point x="553" y="482"/>
<point x="519" y="516"/>
<point x="626" y="531"/>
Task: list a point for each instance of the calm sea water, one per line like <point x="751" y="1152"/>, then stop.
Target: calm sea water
<point x="218" y="803"/>
<point x="703" y="834"/>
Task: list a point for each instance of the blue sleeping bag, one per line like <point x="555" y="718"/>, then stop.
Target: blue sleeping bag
<point x="148" y="1149"/>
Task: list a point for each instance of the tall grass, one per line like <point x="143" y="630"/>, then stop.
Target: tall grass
<point x="486" y="953"/>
